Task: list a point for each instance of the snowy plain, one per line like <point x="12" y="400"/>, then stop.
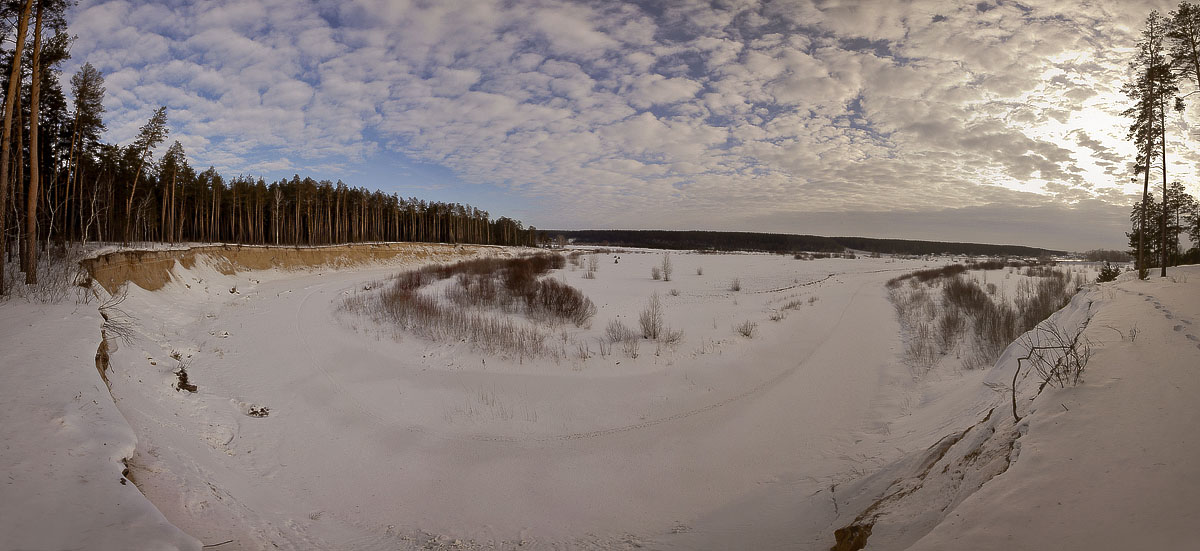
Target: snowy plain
<point x="381" y="440"/>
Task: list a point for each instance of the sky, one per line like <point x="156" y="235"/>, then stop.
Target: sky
<point x="995" y="122"/>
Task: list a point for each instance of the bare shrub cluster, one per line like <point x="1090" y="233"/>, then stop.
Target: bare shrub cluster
<point x="560" y="301"/>
<point x="651" y="318"/>
<point x="593" y="266"/>
<point x="58" y="272"/>
<point x="965" y="319"/>
<point x="575" y="258"/>
<point x="651" y="326"/>
<point x="461" y="312"/>
<point x="619" y="332"/>
<point x="1058" y="356"/>
<point x="747" y="329"/>
<point x="432" y="318"/>
<point x="925" y="276"/>
<point x="509" y="285"/>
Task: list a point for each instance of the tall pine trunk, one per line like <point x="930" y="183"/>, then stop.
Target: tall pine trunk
<point x="14" y="83"/>
<point x="31" y="198"/>
<point x="1162" y="117"/>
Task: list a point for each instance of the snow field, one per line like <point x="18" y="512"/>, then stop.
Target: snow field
<point x="376" y="439"/>
<point x="372" y="439"/>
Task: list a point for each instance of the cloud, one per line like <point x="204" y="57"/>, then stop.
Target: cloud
<point x="738" y="114"/>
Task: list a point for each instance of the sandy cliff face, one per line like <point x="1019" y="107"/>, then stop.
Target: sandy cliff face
<point x="151" y="270"/>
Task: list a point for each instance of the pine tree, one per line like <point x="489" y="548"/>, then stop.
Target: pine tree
<point x="1179" y="209"/>
<point x="1183" y="34"/>
<point x="149" y="136"/>
<point x="87" y="86"/>
<point x="1145" y="236"/>
<point x="1153" y="87"/>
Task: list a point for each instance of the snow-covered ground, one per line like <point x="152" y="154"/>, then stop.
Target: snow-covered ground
<point x="62" y="440"/>
<point x="719" y="441"/>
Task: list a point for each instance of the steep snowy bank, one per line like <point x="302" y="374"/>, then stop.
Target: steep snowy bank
<point x="1113" y="463"/>
<point x="1109" y="464"/>
<point x="63" y="440"/>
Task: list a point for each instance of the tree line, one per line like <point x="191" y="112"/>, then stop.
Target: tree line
<point x="60" y="183"/>
<point x="1167" y="57"/>
<point x="787" y="243"/>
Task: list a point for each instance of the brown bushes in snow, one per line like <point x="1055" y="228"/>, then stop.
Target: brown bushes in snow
<point x="464" y="310"/>
<point x="965" y="318"/>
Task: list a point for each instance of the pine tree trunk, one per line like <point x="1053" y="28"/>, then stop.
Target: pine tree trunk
<point x="14" y="83"/>
<point x="1162" y="113"/>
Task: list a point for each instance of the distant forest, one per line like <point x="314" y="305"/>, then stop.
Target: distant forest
<point x="786" y="243"/>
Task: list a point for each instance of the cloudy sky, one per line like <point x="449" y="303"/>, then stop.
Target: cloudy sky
<point x="994" y="122"/>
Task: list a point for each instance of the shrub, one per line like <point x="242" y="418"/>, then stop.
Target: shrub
<point x="965" y="294"/>
<point x="667" y="268"/>
<point x="1058" y="357"/>
<point x="618" y="332"/>
<point x="747" y="329"/>
<point x="651" y="318"/>
<point x="1108" y="273"/>
<point x="924" y="276"/>
<point x="477" y="284"/>
<point x="987" y="265"/>
<point x="630" y="346"/>
<point x="1050" y="294"/>
<point x="562" y="301"/>
<point x="655" y="273"/>
<point x="735" y="285"/>
<point x="920" y="345"/>
<point x="950" y="326"/>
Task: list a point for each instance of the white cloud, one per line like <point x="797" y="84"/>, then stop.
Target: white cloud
<point x="608" y="114"/>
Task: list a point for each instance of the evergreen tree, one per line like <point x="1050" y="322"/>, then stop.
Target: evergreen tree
<point x="1180" y="210"/>
<point x="149" y="136"/>
<point x="1153" y="87"/>
<point x="1183" y="34"/>
<point x="87" y="87"/>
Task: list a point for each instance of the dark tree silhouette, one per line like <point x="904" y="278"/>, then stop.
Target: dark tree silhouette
<point x="1152" y="88"/>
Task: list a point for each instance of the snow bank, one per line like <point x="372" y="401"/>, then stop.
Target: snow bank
<point x="1113" y="463"/>
<point x="1104" y="465"/>
<point x="64" y="442"/>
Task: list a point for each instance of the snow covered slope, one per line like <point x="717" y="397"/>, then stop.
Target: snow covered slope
<point x="1110" y="464"/>
<point x="1113" y="463"/>
<point x="62" y="440"/>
